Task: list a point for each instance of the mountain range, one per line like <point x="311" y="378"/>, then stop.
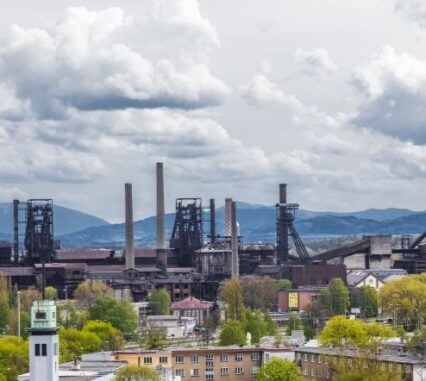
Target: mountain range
<point x="257" y="224"/>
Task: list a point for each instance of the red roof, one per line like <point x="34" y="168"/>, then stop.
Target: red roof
<point x="191" y="303"/>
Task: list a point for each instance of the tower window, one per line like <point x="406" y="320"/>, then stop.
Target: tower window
<point x="37" y="349"/>
<point x="44" y="349"/>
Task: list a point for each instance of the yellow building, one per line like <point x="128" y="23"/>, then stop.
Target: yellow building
<point x="156" y="359"/>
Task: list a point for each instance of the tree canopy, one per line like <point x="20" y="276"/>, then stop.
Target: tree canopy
<point x="335" y="298"/>
<point x="13" y="357"/>
<point x="160" y="302"/>
<point x="259" y="324"/>
<point x="232" y="333"/>
<point x="120" y="313"/>
<point x="73" y="343"/>
<point x="294" y="323"/>
<point x="232" y="294"/>
<point x="405" y="300"/>
<point x="110" y="338"/>
<point x="88" y="292"/>
<point x="259" y="292"/>
<point x="136" y="373"/>
<point x="279" y="370"/>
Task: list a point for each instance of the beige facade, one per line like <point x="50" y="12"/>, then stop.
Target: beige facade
<point x="217" y="363"/>
<point x="151" y="359"/>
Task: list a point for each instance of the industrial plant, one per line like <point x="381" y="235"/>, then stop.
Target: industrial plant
<point x="197" y="257"/>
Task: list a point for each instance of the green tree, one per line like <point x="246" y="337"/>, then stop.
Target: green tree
<point x="259" y="292"/>
<point x="232" y="294"/>
<point x="4" y="315"/>
<point x="207" y="329"/>
<point x="73" y="343"/>
<point x="69" y="316"/>
<point x="12" y="325"/>
<point x="417" y="343"/>
<point x="335" y="298"/>
<point x="294" y="323"/>
<point x="88" y="292"/>
<point x="369" y="301"/>
<point x="159" y="301"/>
<point x="51" y="293"/>
<point x="120" y="314"/>
<point x="232" y="333"/>
<point x="136" y="373"/>
<point x="13" y="357"/>
<point x="154" y="338"/>
<point x="284" y="285"/>
<point x="279" y="370"/>
<point x="259" y="325"/>
<point x="405" y="300"/>
<point x="111" y="338"/>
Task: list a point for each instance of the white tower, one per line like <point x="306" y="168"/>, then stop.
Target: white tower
<point x="44" y="342"/>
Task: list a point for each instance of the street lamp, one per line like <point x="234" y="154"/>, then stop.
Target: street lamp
<point x="19" y="313"/>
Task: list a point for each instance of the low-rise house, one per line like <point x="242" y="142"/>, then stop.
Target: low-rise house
<point x="375" y="278"/>
<point x="192" y="307"/>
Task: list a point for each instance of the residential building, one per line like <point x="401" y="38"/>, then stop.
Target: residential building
<point x="217" y="363"/>
<point x="320" y="363"/>
<point x="375" y="278"/>
<point x="192" y="307"/>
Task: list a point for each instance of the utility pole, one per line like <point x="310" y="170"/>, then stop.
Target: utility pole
<point x="19" y="313"/>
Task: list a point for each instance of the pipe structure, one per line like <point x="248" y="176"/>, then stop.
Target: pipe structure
<point x="234" y="241"/>
<point x="130" y="253"/>
<point x="212" y="221"/>
<point x="16" y="231"/>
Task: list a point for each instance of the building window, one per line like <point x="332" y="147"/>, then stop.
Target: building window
<point x="238" y="357"/>
<point x="179" y="359"/>
<point x="305" y="357"/>
<point x="254" y="369"/>
<point x="390" y="367"/>
<point x="398" y="368"/>
<point x="238" y="370"/>
<point x="147" y="360"/>
<point x="194" y="359"/>
<point x="55" y="349"/>
<point x="320" y="359"/>
<point x="194" y="372"/>
<point x="312" y="372"/>
<point x="44" y="349"/>
<point x="255" y="356"/>
<point x="224" y="371"/>
<point x="37" y="349"/>
<point x="305" y="372"/>
<point x="266" y="357"/>
<point x="383" y="366"/>
<point x="179" y="372"/>
<point x="407" y="368"/>
<point x="224" y="357"/>
<point x="209" y="360"/>
<point x="350" y="362"/>
<point x="209" y="374"/>
<point x="163" y="360"/>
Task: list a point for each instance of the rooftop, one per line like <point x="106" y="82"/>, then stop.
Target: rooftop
<point x="191" y="303"/>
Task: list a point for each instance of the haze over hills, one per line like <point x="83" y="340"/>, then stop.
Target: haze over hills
<point x="257" y="224"/>
<point x="65" y="220"/>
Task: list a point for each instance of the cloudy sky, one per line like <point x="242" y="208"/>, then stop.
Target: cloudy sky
<point x="234" y="96"/>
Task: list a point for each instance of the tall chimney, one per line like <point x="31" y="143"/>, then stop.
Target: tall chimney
<point x="234" y="241"/>
<point x="130" y="254"/>
<point x="212" y="221"/>
<point x="161" y="253"/>
<point x="282" y="226"/>
<point x="16" y="231"/>
<point x="228" y="217"/>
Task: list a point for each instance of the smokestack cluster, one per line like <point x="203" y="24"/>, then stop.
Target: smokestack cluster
<point x="161" y="253"/>
<point x="130" y="253"/>
<point x="234" y="241"/>
<point x="282" y="228"/>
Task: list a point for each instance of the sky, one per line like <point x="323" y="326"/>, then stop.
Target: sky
<point x="234" y="97"/>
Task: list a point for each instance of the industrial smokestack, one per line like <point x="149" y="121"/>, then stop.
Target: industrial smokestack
<point x="161" y="253"/>
<point x="282" y="226"/>
<point x="130" y="254"/>
<point x="228" y="217"/>
<point x="234" y="241"/>
<point x="16" y="231"/>
<point x="160" y="207"/>
<point x="212" y="221"/>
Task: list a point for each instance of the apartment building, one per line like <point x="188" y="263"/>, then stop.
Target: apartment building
<point x="320" y="363"/>
<point x="217" y="363"/>
<point x="152" y="359"/>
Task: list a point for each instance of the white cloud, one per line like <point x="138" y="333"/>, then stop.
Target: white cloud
<point x="413" y="10"/>
<point x="83" y="62"/>
<point x="393" y="86"/>
<point x="314" y="62"/>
